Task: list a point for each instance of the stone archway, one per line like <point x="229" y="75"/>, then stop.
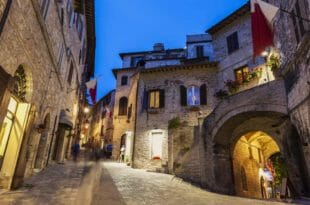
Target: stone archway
<point x="225" y="138"/>
<point x="41" y="151"/>
<point x="252" y="166"/>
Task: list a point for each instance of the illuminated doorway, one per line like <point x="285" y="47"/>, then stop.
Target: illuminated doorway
<point x="11" y="137"/>
<point x="258" y="166"/>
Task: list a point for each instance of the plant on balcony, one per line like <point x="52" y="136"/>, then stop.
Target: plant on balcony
<point x="232" y="85"/>
<point x="221" y="94"/>
<point x="273" y="62"/>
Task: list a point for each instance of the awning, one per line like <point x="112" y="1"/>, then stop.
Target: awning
<point x="65" y="119"/>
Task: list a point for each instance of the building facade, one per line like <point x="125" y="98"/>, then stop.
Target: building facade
<point x="101" y="129"/>
<point x="45" y="46"/>
<point x="210" y="107"/>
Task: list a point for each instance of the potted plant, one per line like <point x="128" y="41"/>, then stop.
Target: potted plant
<point x="233" y="86"/>
<point x="273" y="62"/>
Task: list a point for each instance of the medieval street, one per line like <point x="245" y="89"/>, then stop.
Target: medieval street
<point x="154" y="102"/>
<point x="113" y="183"/>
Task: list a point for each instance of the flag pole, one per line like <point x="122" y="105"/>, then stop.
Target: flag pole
<point x="298" y="16"/>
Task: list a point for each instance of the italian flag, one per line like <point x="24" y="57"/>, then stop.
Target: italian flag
<point x="92" y="86"/>
<point x="262" y="14"/>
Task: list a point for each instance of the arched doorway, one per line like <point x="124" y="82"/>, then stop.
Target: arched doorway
<point x="41" y="151"/>
<point x="258" y="166"/>
<point x="14" y="126"/>
<point x="273" y="134"/>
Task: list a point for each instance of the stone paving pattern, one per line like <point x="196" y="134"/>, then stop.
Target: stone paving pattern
<point x="111" y="183"/>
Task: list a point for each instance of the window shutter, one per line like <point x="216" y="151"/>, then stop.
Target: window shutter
<point x="129" y="112"/>
<point x="183" y="95"/>
<point x="161" y="98"/>
<point x="203" y="94"/>
<point x="145" y="100"/>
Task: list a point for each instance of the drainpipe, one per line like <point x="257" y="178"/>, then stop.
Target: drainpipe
<point x="5" y="15"/>
<point x="135" y="127"/>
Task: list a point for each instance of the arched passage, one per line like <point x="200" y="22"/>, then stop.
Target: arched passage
<point x="272" y="133"/>
<point x="41" y="151"/>
<point x="258" y="168"/>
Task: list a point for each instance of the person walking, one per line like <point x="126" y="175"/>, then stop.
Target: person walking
<point x="75" y="149"/>
<point x="122" y="154"/>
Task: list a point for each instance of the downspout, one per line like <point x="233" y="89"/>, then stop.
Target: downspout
<point x="5" y="15"/>
<point x="135" y="127"/>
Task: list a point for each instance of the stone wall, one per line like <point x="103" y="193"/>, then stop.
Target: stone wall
<point x="30" y="41"/>
<point x="153" y="121"/>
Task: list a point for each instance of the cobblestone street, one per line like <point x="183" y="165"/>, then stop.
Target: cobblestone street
<point x="111" y="183"/>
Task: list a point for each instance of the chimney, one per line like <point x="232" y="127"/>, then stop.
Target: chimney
<point x="158" y="47"/>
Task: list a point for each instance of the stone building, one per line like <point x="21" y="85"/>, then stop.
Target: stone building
<point x="45" y="47"/>
<point x="101" y="128"/>
<point x="252" y="114"/>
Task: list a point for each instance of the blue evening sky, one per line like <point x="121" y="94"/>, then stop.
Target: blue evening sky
<point x="135" y="25"/>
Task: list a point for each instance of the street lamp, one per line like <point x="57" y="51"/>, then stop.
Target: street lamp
<point x="86" y="110"/>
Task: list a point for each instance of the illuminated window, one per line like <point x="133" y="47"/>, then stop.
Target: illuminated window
<point x="193" y="95"/>
<point x="241" y="74"/>
<point x="156" y="145"/>
<point x="154" y="99"/>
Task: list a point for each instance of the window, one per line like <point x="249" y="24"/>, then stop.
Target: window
<point x="298" y="24"/>
<point x="232" y="42"/>
<point x="44" y="8"/>
<point x="70" y="13"/>
<point x="156" y="99"/>
<point x="135" y="60"/>
<point x="61" y="54"/>
<point x="79" y="26"/>
<point x="241" y="74"/>
<point x="124" y="80"/>
<point x="156" y="145"/>
<point x="123" y="102"/>
<point x="69" y="79"/>
<point x="199" y="52"/>
<point x="193" y="95"/>
<point x="62" y="16"/>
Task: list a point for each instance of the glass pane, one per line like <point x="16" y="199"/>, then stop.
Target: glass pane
<point x="193" y="96"/>
<point x="12" y="105"/>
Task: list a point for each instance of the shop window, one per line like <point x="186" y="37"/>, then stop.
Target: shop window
<point x="241" y="74"/>
<point x="156" y="99"/>
<point x="232" y="42"/>
<point x="123" y="103"/>
<point x="156" y="145"/>
<point x="193" y="96"/>
<point x="124" y="80"/>
<point x="199" y="51"/>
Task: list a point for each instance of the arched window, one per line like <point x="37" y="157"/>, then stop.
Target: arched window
<point x="123" y="103"/>
<point x="124" y="80"/>
<point x="20" y="83"/>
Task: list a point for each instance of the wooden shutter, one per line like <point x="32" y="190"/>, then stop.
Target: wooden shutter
<point x="183" y="95"/>
<point x="161" y="98"/>
<point x="145" y="102"/>
<point x="203" y="94"/>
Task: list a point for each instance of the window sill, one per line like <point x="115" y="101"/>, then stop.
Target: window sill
<point x="194" y="108"/>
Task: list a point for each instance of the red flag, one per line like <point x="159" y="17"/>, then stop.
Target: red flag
<point x="261" y="15"/>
